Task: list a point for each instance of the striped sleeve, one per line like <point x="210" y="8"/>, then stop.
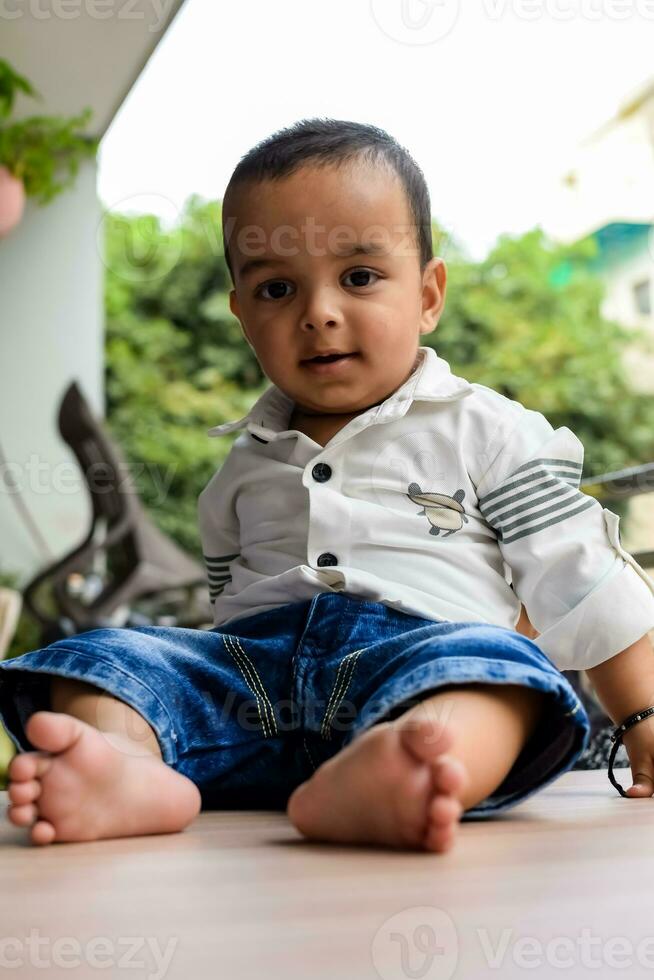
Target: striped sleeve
<point x="218" y="573"/>
<point x="219" y="532"/>
<point x="587" y="597"/>
<point x="540" y="493"/>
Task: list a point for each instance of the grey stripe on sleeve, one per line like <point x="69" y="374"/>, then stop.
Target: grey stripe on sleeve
<point x="538" y="494"/>
<point x="218" y="573"/>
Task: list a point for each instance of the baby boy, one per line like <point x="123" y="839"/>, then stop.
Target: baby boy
<point x="369" y="541"/>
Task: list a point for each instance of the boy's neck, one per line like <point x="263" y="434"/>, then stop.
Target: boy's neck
<point x="330" y="416"/>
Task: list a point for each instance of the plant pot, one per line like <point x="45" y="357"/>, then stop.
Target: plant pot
<point x="12" y="201"/>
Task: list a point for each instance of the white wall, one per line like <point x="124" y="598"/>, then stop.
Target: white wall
<point x="51" y="331"/>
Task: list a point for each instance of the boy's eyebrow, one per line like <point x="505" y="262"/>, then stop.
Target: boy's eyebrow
<point x="363" y="248"/>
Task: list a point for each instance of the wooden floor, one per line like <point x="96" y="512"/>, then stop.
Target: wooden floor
<point x="562" y="882"/>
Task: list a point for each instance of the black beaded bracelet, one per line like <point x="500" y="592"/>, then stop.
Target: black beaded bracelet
<point x="616" y="738"/>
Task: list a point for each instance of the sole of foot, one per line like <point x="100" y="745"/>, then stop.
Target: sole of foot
<point x="86" y="785"/>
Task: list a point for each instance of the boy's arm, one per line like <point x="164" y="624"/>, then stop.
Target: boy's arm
<point x="586" y="596"/>
<point x="589" y="600"/>
<point x="624" y="683"/>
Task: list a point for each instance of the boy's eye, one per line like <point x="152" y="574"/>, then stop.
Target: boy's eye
<point x="274" y="284"/>
<point x="362" y="272"/>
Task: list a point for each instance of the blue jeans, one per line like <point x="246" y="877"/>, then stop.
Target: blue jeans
<point x="249" y="710"/>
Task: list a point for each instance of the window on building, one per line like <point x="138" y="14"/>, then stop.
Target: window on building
<point x="643" y="297"/>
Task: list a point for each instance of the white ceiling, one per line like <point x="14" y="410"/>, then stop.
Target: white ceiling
<point x="81" y="52"/>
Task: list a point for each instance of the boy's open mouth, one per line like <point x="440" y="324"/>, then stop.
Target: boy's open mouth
<point x="325" y="359"/>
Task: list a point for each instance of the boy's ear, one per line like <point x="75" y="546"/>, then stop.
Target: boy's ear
<point x="434" y="287"/>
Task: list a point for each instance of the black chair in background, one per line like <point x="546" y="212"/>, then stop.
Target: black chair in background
<point x="124" y="557"/>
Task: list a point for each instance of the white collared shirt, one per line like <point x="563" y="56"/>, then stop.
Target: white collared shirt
<point x="447" y="501"/>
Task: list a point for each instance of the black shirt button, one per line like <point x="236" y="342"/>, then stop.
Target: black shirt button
<point x="321" y="472"/>
<point x="327" y="559"/>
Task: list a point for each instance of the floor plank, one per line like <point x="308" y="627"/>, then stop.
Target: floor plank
<point x="241" y="895"/>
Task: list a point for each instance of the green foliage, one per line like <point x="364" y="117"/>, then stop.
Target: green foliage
<point x="43" y="151"/>
<point x="177" y="362"/>
<point x="27" y="632"/>
<point x="526" y="321"/>
<point x="7" y="752"/>
<point x="11" y="83"/>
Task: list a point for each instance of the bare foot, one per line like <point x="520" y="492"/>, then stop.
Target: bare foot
<point x="89" y="784"/>
<point x="392" y="785"/>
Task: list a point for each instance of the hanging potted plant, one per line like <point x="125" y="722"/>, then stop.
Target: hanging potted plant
<point x="40" y="155"/>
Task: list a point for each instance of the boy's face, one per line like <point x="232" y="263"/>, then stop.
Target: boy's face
<point x="310" y="290"/>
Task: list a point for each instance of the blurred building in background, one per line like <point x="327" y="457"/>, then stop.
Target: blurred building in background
<point x="608" y="194"/>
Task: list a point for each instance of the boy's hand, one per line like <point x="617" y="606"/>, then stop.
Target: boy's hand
<point x="624" y="684"/>
<point x="639" y="743"/>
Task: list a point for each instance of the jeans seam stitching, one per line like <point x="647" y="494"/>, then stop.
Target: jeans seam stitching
<point x="337" y="696"/>
<point x="236" y="654"/>
<point x="342" y="668"/>
<point x="264" y="694"/>
<point x="306" y="749"/>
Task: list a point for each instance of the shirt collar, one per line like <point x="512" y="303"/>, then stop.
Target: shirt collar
<point x="432" y="380"/>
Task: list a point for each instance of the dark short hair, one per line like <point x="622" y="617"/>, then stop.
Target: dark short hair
<point x="325" y="141"/>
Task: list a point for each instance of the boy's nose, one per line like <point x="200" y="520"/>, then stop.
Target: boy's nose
<point x="317" y="322"/>
<point x="321" y="309"/>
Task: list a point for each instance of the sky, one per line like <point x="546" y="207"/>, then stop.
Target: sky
<point x="491" y="99"/>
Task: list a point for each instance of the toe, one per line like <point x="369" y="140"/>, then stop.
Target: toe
<point x="440" y="838"/>
<point x="25" y="792"/>
<point x="22" y="816"/>
<point x="444" y="810"/>
<point x="426" y="738"/>
<point x="299" y="809"/>
<point x="53" y="730"/>
<point x="28" y="765"/>
<point x="443" y="815"/>
<point x="42" y="832"/>
<point x="450" y="775"/>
